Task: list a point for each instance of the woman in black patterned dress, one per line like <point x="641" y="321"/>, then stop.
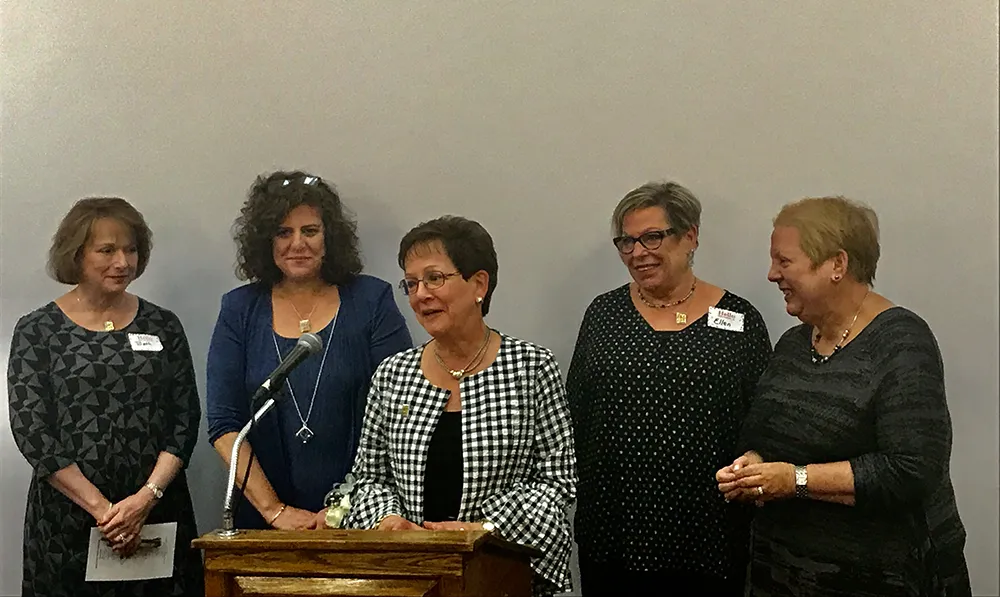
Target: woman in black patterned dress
<point x="848" y="441"/>
<point x="104" y="406"/>
<point x="661" y="378"/>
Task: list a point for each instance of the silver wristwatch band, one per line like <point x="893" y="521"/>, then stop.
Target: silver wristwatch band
<point x="801" y="482"/>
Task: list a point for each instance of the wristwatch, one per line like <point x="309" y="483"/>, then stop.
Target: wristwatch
<point x="801" y="482"/>
<point x="157" y="492"/>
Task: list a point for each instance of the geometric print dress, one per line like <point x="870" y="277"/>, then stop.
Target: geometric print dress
<point x="86" y="397"/>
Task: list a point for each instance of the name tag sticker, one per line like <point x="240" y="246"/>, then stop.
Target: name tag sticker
<point x="145" y="342"/>
<point x="725" y="319"/>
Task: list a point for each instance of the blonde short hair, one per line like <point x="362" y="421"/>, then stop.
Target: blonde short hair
<point x="76" y="226"/>
<point x="828" y="225"/>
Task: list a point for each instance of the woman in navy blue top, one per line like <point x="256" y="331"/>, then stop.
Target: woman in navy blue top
<point x="299" y="251"/>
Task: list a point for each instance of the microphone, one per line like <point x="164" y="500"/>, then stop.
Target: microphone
<point x="308" y="344"/>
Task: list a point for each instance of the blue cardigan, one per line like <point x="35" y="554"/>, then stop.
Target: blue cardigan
<point x="368" y="328"/>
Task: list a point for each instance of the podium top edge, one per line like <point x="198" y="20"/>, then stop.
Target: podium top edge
<point x="358" y="540"/>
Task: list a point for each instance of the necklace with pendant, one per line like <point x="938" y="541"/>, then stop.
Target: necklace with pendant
<point x="679" y="317"/>
<point x="305" y="433"/>
<point x="473" y="363"/>
<point x="109" y="324"/>
<point x="305" y="325"/>
<point x="818" y="358"/>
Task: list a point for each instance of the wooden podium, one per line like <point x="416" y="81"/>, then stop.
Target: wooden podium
<point x="365" y="564"/>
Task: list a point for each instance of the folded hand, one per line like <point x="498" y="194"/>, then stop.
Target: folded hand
<point x="122" y="523"/>
<point x="397" y="523"/>
<point x="453" y="525"/>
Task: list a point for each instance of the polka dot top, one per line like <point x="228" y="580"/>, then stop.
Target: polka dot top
<point x="655" y="415"/>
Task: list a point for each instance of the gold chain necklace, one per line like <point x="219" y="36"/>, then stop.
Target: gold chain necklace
<point x="679" y="317"/>
<point x="819" y="358"/>
<point x="109" y="324"/>
<point x="305" y="325"/>
<point x="473" y="363"/>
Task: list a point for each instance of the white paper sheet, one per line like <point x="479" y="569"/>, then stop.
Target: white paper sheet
<point x="146" y="563"/>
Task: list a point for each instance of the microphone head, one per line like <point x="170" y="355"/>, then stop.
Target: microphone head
<point x="311" y="342"/>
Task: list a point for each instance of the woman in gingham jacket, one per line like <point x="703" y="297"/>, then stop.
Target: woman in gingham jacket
<point x="472" y="429"/>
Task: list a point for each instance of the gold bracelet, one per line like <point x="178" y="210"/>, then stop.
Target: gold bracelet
<point x="275" y="517"/>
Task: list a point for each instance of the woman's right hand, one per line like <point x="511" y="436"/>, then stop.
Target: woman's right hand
<point x="398" y="523"/>
<point x="726" y="476"/>
<point x="293" y="519"/>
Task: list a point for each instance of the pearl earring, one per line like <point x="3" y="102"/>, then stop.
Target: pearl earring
<point x="479" y="300"/>
<point x="836" y="277"/>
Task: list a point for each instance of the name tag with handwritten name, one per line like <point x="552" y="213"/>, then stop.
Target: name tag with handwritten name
<point x="725" y="319"/>
<point x="145" y="342"/>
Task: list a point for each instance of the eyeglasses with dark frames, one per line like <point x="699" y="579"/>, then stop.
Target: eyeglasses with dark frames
<point x="651" y="240"/>
<point x="432" y="280"/>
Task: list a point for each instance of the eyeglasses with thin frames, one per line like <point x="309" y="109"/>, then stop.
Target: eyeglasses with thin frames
<point x="431" y="280"/>
<point x="651" y="240"/>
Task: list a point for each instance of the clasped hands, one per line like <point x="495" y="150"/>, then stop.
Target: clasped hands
<point x="750" y="479"/>
<point x="398" y="523"/>
<point x="121" y="524"/>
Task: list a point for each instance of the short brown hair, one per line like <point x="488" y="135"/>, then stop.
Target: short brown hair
<point x="465" y="242"/>
<point x="75" y="229"/>
<point x="682" y="208"/>
<point x="268" y="202"/>
<point x="828" y="225"/>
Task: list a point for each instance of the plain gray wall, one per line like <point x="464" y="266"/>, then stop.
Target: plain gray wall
<point x="535" y="118"/>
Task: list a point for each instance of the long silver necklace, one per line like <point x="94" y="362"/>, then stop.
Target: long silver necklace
<point x="305" y="433"/>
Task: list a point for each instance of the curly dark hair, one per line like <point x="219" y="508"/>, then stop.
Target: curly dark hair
<point x="268" y="202"/>
<point x="465" y="242"/>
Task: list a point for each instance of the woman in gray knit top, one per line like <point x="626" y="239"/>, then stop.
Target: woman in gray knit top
<point x="848" y="441"/>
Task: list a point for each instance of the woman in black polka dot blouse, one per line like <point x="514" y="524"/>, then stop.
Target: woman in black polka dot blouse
<point x="661" y="378"/>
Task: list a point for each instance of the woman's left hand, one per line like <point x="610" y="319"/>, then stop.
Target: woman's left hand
<point x="124" y="520"/>
<point x="453" y="525"/>
<point x="761" y="482"/>
<point x="126" y="550"/>
<point x="319" y="521"/>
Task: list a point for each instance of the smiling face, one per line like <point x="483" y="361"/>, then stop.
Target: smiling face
<point x="298" y="247"/>
<point x="453" y="304"/>
<point x="660" y="268"/>
<point x="109" y="258"/>
<point x="805" y="286"/>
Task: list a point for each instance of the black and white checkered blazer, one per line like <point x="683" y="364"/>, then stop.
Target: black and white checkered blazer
<point x="517" y="450"/>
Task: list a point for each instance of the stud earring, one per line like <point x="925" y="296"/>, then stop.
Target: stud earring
<point x="836" y="277"/>
<point x="479" y="300"/>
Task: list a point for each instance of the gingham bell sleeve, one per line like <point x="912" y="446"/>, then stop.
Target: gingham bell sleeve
<point x="535" y="511"/>
<point x="375" y="495"/>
